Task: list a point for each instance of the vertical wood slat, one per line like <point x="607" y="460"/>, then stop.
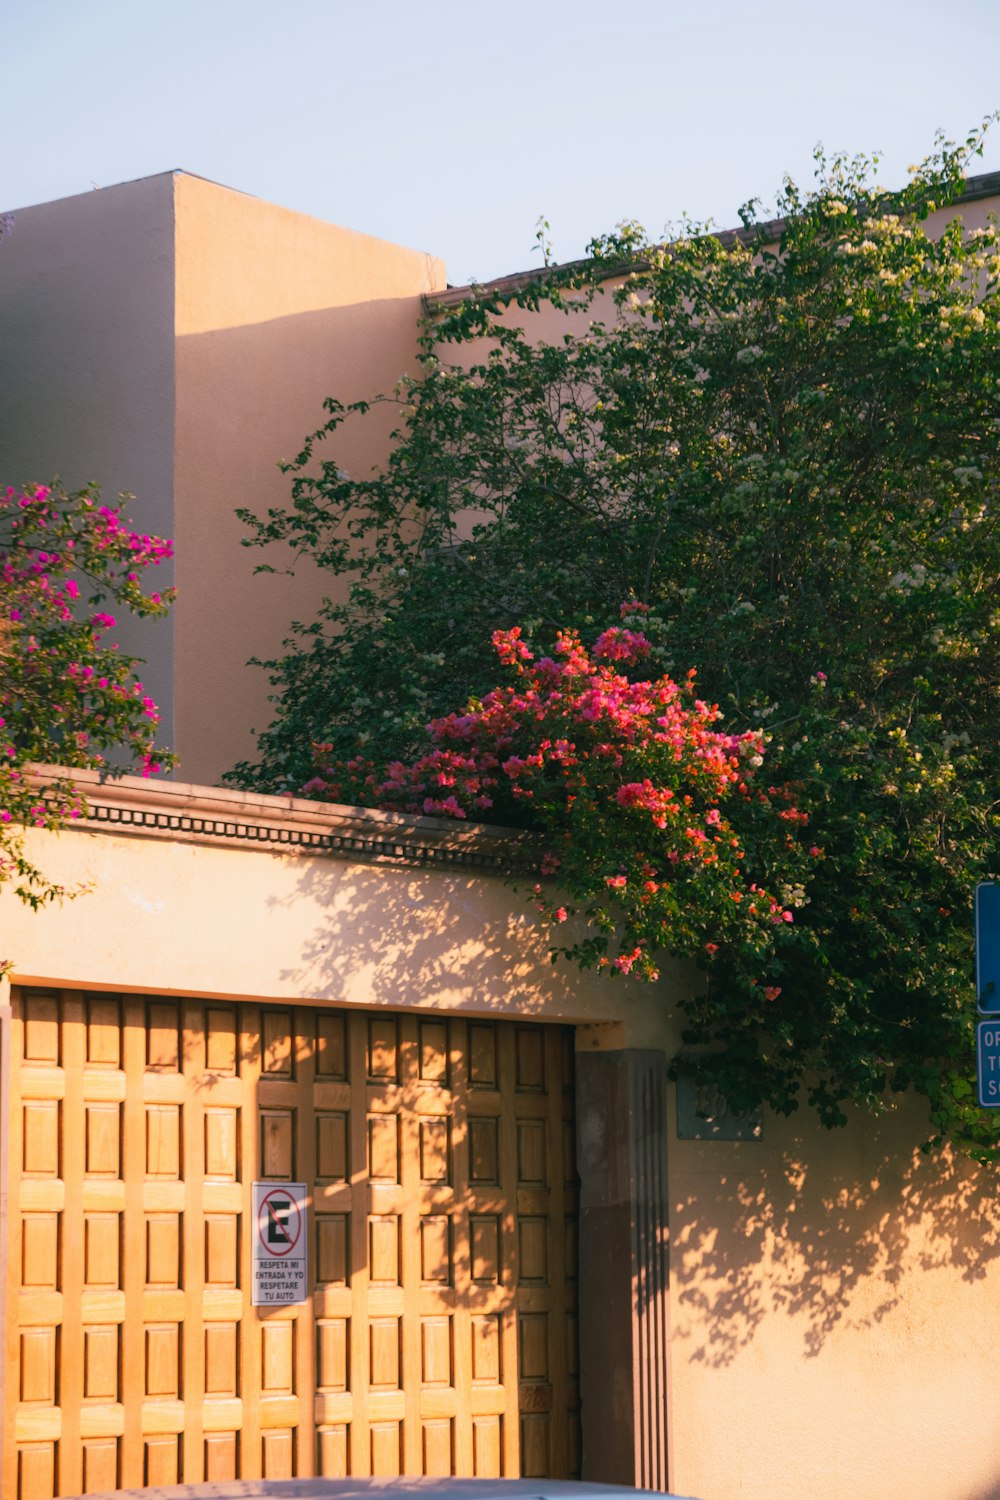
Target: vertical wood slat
<point x="193" y="1063"/>
<point x="509" y="1256"/>
<point x="650" y="1270"/>
<point x="249" y="1440"/>
<point x="640" y="1269"/>
<point x="360" y="1435"/>
<point x="73" y="1167"/>
<point x="6" y="1238"/>
<point x="461" y="1246"/>
<point x="555" y="1251"/>
<point x="14" y="1129"/>
<point x="624" y="1247"/>
<point x="133" y="1247"/>
<point x="304" y="1055"/>
<point x="409" y="1230"/>
<point x="569" y="1207"/>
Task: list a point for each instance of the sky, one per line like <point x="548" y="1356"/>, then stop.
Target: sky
<point x="453" y="127"/>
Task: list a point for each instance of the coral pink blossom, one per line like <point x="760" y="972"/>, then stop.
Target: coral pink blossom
<point x="614" y="772"/>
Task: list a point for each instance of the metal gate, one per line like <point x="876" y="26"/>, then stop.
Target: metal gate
<point x="439" y="1334"/>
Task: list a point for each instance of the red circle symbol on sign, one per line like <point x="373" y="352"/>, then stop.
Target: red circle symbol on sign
<point x="279" y="1222"/>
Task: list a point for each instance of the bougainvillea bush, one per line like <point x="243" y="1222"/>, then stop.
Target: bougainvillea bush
<point x="661" y="830"/>
<point x="70" y="565"/>
<point x="785" y="441"/>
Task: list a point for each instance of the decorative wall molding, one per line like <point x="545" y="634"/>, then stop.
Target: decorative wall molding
<point x="291" y="825"/>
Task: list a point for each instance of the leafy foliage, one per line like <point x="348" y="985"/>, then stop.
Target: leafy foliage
<point x="68" y="698"/>
<point x="785" y="443"/>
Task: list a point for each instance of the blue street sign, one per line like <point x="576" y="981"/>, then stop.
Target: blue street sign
<point x="988" y="949"/>
<point x="988" y="1063"/>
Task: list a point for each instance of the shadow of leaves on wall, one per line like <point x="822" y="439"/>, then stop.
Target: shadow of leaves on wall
<point x="830" y="1237"/>
<point x="386" y="935"/>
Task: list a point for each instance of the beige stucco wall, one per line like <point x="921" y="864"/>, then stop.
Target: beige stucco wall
<point x="201" y="920"/>
<point x="834" y="1296"/>
<point x="274" y="312"/>
<point x="835" y="1303"/>
<point x="87" y="363"/>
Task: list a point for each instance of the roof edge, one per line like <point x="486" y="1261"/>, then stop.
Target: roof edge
<point x="985" y="185"/>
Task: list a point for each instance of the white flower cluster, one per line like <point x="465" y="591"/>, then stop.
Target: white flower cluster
<point x="864" y="247"/>
<point x="905" y="583"/>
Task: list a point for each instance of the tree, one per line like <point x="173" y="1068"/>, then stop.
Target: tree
<point x="68" y="698"/>
<point x="784" y="442"/>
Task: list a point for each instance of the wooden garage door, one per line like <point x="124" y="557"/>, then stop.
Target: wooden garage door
<point x="439" y="1336"/>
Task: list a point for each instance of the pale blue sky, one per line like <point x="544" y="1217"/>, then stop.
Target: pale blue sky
<point x="452" y="126"/>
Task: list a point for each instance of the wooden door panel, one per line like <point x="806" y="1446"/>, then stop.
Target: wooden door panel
<point x="439" y="1336"/>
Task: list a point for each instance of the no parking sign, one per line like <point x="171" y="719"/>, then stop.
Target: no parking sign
<point x="279" y="1243"/>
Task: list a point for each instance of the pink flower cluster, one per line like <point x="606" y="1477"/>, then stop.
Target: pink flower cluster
<point x="65" y="696"/>
<point x="632" y="777"/>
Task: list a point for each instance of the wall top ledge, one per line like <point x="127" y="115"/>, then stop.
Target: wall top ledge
<point x="289" y="825"/>
<point x="982" y="185"/>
